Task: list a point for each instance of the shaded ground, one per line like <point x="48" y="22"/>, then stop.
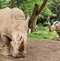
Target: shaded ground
<point x="39" y="51"/>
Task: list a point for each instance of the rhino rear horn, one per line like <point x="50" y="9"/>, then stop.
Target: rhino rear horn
<point x="27" y="20"/>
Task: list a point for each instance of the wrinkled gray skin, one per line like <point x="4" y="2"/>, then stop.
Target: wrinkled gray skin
<point x="13" y="31"/>
<point x="55" y="27"/>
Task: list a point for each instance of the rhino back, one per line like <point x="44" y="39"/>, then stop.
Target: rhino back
<point x="18" y="14"/>
<point x="5" y="20"/>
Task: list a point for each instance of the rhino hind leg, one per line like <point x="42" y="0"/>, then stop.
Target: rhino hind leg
<point x="6" y="43"/>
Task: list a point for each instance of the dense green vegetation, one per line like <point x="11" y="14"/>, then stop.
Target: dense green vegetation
<point x="28" y="5"/>
<point x="42" y="33"/>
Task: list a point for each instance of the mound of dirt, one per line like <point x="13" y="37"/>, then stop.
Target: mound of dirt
<point x="38" y="50"/>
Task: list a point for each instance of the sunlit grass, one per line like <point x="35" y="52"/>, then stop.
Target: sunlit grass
<point x="42" y="33"/>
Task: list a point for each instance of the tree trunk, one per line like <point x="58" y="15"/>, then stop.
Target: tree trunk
<point x="12" y="3"/>
<point x="33" y="19"/>
<point x="0" y="5"/>
<point x="37" y="9"/>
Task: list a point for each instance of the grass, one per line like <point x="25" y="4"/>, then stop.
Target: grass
<point x="42" y="33"/>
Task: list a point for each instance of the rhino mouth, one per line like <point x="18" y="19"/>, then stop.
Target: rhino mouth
<point x="19" y="55"/>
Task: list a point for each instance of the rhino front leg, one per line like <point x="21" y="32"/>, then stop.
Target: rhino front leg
<point x="6" y="43"/>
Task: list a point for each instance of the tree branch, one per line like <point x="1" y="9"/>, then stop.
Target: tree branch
<point x="42" y="6"/>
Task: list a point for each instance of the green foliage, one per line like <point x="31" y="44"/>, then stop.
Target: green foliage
<point x="42" y="33"/>
<point x="28" y="5"/>
<point x="46" y="12"/>
<point x="4" y="3"/>
<point x="55" y="8"/>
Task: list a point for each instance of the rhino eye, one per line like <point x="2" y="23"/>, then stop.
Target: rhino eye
<point x="20" y="38"/>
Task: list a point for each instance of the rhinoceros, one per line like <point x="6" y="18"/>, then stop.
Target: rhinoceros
<point x="55" y="27"/>
<point x="13" y="31"/>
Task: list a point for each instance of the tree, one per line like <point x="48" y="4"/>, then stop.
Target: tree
<point x="0" y="4"/>
<point x="37" y="9"/>
<point x="12" y="3"/>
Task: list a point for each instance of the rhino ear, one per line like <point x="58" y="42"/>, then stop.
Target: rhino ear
<point x="27" y="20"/>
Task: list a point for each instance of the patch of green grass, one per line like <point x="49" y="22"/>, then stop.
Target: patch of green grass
<point x="42" y="33"/>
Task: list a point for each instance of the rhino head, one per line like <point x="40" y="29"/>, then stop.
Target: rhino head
<point x="53" y="26"/>
<point x="19" y="38"/>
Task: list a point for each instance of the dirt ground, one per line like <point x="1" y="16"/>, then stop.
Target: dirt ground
<point x="38" y="50"/>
